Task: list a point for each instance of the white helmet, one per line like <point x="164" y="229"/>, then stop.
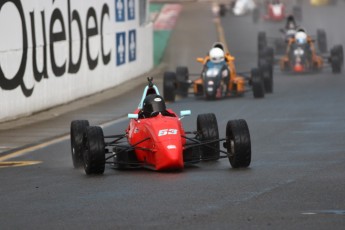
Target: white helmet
<point x="301" y="37"/>
<point x="216" y="55"/>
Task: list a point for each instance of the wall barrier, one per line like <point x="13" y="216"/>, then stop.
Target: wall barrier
<point x="53" y="52"/>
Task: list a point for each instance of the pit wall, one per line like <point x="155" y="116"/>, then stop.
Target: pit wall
<point x="53" y="52"/>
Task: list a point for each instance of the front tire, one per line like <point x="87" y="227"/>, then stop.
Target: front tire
<point x="169" y="86"/>
<point x="267" y="71"/>
<point x="337" y="58"/>
<point x="94" y="154"/>
<point x="77" y="132"/>
<point x="257" y="84"/>
<point x="238" y="143"/>
<point x="207" y="128"/>
<point x="321" y="40"/>
<point x="262" y="41"/>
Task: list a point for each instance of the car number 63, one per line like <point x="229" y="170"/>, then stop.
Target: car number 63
<point x="164" y="132"/>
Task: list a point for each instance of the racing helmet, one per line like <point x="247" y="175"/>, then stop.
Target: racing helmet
<point x="290" y="22"/>
<point x="153" y="103"/>
<point x="216" y="55"/>
<point x="301" y="36"/>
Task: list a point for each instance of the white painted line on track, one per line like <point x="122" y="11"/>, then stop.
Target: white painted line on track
<point x="27" y="150"/>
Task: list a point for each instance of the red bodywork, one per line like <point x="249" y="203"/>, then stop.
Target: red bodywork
<point x="162" y="148"/>
<point x="275" y="12"/>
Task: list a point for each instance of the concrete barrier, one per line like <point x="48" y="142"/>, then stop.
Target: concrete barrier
<point x="53" y="52"/>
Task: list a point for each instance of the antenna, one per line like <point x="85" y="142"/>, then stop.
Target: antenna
<point x="150" y="79"/>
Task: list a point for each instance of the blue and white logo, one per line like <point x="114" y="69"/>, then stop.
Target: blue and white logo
<point x="132" y="48"/>
<point x="131" y="9"/>
<point x="120" y="48"/>
<point x="120" y="10"/>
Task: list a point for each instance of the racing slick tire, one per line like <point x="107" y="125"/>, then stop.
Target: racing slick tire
<point x="262" y="41"/>
<point x="238" y="143"/>
<point x="266" y="56"/>
<point x="321" y="39"/>
<point x="169" y="86"/>
<point x="77" y="132"/>
<point x="257" y="83"/>
<point x="337" y="58"/>
<point x="267" y="72"/>
<point x="182" y="76"/>
<point x="94" y="154"/>
<point x="207" y="128"/>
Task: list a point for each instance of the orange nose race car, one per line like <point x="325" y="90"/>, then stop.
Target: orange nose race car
<point x="218" y="80"/>
<point x="301" y="58"/>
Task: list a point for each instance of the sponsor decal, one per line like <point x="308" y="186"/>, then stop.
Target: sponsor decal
<point x="55" y="28"/>
<point x="119" y="10"/>
<point x="120" y="48"/>
<point x="132" y="46"/>
<point x="164" y="132"/>
<point x="171" y="147"/>
<point x="131" y="9"/>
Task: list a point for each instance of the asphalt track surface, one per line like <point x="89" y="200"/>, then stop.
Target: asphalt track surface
<point x="295" y="181"/>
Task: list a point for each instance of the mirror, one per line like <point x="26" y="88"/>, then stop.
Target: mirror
<point x="133" y="116"/>
<point x="185" y="113"/>
<point x="201" y="60"/>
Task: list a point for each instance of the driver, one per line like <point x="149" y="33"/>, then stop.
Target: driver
<point x="303" y="40"/>
<point x="216" y="55"/>
<point x="153" y="105"/>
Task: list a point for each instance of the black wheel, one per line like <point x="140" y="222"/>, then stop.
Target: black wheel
<point x="77" y="132"/>
<point x="257" y="83"/>
<point x="169" y="86"/>
<point x="182" y="76"/>
<point x="336" y="58"/>
<point x="321" y="39"/>
<point x="207" y="128"/>
<point x="262" y="41"/>
<point x="340" y="52"/>
<point x="267" y="72"/>
<point x="238" y="143"/>
<point x="94" y="154"/>
<point x="266" y="56"/>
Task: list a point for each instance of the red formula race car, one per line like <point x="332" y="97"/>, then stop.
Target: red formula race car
<point x="275" y="10"/>
<point x="155" y="139"/>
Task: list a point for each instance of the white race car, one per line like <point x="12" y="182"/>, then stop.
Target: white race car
<point x="241" y="7"/>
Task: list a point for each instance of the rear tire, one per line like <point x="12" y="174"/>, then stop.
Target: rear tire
<point x="94" y="154"/>
<point x="77" y="132"/>
<point x="238" y="143"/>
<point x="321" y="40"/>
<point x="169" y="86"/>
<point x="257" y="84"/>
<point x="266" y="56"/>
<point x="207" y="128"/>
<point x="337" y="58"/>
<point x="267" y="71"/>
<point x="182" y="76"/>
<point x="262" y="41"/>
